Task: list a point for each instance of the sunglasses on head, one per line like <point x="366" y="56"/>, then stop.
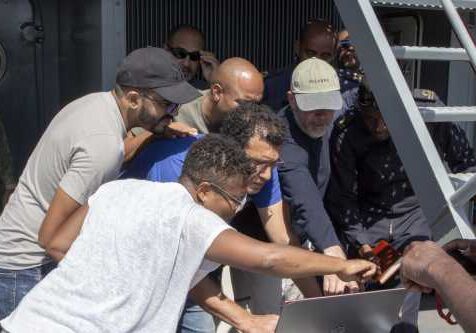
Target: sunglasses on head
<point x="181" y="53"/>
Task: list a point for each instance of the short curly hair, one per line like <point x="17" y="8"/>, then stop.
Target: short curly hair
<point x="216" y="158"/>
<point x="250" y="119"/>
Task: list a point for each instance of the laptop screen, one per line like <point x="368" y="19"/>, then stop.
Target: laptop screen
<point x="373" y="311"/>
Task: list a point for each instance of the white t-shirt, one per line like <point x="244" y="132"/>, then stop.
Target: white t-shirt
<point x="81" y="149"/>
<point x="130" y="269"/>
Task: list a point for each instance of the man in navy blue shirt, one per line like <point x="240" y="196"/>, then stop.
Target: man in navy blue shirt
<point x="314" y="99"/>
<point x="261" y="134"/>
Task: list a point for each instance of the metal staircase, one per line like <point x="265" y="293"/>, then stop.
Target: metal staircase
<point x="441" y="203"/>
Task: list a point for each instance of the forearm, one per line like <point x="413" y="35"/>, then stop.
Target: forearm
<point x="133" y="144"/>
<point x="66" y="235"/>
<point x="276" y="224"/>
<point x="309" y="286"/>
<point x="210" y="297"/>
<point x="298" y="263"/>
<point x="61" y="208"/>
<point x="458" y="291"/>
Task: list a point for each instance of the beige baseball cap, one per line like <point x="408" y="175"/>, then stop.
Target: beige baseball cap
<point x="315" y="85"/>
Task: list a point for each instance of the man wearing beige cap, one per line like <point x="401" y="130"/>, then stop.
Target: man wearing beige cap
<point x="314" y="100"/>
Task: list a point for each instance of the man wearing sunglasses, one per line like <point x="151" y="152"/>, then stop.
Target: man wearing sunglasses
<point x="81" y="149"/>
<point x="186" y="44"/>
<point x="348" y="69"/>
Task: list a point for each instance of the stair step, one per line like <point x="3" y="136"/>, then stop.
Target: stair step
<point x="428" y="4"/>
<point x="465" y="191"/>
<point x="448" y="113"/>
<point x="430" y="53"/>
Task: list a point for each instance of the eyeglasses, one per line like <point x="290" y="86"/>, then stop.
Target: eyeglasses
<point x="261" y="166"/>
<point x="181" y="53"/>
<point x="239" y="203"/>
<point x="170" y="108"/>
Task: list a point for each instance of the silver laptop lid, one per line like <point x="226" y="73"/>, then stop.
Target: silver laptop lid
<point x="369" y="312"/>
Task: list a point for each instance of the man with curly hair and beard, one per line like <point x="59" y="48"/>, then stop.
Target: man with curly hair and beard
<point x="144" y="244"/>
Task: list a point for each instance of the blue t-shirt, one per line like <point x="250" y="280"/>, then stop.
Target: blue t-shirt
<point x="162" y="161"/>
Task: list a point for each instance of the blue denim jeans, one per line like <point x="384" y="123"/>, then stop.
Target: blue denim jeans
<point x="195" y="320"/>
<point x="14" y="285"/>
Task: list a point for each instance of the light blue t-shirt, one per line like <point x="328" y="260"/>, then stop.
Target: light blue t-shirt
<point x="162" y="161"/>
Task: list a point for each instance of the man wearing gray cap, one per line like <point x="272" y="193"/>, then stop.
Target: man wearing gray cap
<point x="81" y="149"/>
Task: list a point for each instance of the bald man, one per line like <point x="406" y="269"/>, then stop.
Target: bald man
<point x="235" y="80"/>
<point x="317" y="38"/>
<point x="187" y="44"/>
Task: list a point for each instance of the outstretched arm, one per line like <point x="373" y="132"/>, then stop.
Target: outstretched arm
<point x="426" y="266"/>
<point x="237" y="250"/>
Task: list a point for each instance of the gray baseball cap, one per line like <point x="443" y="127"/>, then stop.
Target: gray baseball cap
<point x="155" y="68"/>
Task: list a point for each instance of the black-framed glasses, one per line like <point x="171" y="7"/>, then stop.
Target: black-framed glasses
<point x="170" y="108"/>
<point x="239" y="203"/>
<point x="260" y="166"/>
<point x="181" y="53"/>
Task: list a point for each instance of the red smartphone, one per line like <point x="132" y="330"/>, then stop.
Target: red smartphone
<point x="388" y="259"/>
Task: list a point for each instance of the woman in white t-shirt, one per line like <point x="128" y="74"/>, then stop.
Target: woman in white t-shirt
<point x="143" y="245"/>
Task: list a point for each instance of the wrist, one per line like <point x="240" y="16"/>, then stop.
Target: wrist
<point x="341" y="266"/>
<point x="244" y="322"/>
<point x="440" y="270"/>
<point x="335" y="251"/>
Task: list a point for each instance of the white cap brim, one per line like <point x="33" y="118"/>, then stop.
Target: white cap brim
<point x="329" y="100"/>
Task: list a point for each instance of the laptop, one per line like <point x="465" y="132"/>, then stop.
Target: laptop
<point x="368" y="312"/>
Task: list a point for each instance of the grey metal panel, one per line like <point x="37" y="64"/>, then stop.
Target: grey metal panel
<point x="21" y="106"/>
<point x="113" y="42"/>
<point x="262" y="31"/>
<point x="414" y="144"/>
<point x="80" y="48"/>
<point x="465" y="192"/>
<point x="448" y="114"/>
<point x="430" y="53"/>
<point x="464" y="4"/>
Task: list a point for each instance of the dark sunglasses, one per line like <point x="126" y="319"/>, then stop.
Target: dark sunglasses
<point x="170" y="108"/>
<point x="345" y="43"/>
<point x="181" y="53"/>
